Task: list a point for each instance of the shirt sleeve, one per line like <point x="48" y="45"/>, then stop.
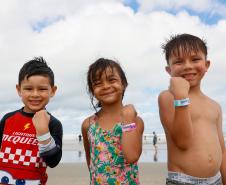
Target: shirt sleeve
<point x="2" y="125"/>
<point x="52" y="157"/>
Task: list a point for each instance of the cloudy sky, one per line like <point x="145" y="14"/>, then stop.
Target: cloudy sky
<point x="71" y="34"/>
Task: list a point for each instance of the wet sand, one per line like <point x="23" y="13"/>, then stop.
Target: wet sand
<point x="77" y="174"/>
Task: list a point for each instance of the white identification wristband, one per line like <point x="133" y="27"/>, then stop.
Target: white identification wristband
<point x="181" y="103"/>
<point x="44" y="137"/>
<point x="46" y="147"/>
<point x="129" y="127"/>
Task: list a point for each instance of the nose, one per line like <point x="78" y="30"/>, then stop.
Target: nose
<point x="187" y="65"/>
<point x="35" y="93"/>
<point x="106" y="84"/>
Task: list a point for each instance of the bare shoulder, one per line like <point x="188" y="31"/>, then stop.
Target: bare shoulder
<point x="164" y="97"/>
<point x="214" y="104"/>
<point x="164" y="93"/>
<point x="86" y="123"/>
<point x="140" y="123"/>
<point x="139" y="120"/>
<point x="166" y="108"/>
<point x="165" y="100"/>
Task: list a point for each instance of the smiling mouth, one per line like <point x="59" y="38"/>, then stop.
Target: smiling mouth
<point x="189" y="76"/>
<point x="35" y="102"/>
<point x="107" y="94"/>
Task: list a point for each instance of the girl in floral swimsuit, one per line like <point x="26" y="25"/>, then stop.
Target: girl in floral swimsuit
<point x="113" y="135"/>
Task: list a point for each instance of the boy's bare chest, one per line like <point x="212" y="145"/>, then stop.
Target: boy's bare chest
<point x="204" y="113"/>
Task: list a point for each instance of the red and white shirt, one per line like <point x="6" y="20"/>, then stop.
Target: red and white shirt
<point x="19" y="153"/>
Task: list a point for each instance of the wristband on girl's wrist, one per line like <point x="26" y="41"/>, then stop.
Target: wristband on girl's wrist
<point x="44" y="137"/>
<point x="181" y="103"/>
<point x="129" y="127"/>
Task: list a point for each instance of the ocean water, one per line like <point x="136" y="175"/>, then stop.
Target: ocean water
<point x="74" y="152"/>
<point x="148" y="155"/>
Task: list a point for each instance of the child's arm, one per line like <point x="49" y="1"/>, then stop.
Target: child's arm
<point x="54" y="155"/>
<point x="41" y="121"/>
<point x="221" y="138"/>
<point x="85" y="126"/>
<point x="45" y="123"/>
<point x="132" y="140"/>
<point x="2" y="125"/>
<point x="223" y="167"/>
<point x="176" y="120"/>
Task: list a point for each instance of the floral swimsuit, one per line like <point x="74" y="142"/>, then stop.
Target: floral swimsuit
<point x="107" y="163"/>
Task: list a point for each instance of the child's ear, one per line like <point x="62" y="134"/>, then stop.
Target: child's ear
<point x="124" y="86"/>
<point x="53" y="91"/>
<point x="207" y="65"/>
<point x="168" y="70"/>
<point x="18" y="89"/>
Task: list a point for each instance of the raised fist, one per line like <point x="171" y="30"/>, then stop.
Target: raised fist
<point x="128" y="114"/>
<point x="179" y="87"/>
<point x="41" y="122"/>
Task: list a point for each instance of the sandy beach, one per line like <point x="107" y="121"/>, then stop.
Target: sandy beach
<point x="77" y="174"/>
<point x="73" y="170"/>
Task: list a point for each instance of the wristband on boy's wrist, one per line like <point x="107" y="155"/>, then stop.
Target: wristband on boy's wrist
<point x="128" y="127"/>
<point x="44" y="137"/>
<point x="181" y="103"/>
<point x="46" y="147"/>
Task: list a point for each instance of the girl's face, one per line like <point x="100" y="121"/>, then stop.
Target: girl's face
<point x="108" y="88"/>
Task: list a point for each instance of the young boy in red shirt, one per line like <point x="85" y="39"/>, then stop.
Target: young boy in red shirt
<point x="30" y="138"/>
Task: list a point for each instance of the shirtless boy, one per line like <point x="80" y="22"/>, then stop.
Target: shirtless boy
<point x="192" y="121"/>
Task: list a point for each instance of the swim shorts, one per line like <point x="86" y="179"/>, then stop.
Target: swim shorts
<point x="176" y="178"/>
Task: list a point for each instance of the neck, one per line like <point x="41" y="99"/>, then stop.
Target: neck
<point x="195" y="90"/>
<point x="113" y="109"/>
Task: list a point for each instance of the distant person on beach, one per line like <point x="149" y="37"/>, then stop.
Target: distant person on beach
<point x="155" y="138"/>
<point x="113" y="135"/>
<point x="155" y="157"/>
<point x="192" y="121"/>
<point x="79" y="138"/>
<point x="31" y="138"/>
<point x="79" y="153"/>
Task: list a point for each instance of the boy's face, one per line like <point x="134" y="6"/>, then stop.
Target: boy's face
<point x="191" y="67"/>
<point x="35" y="92"/>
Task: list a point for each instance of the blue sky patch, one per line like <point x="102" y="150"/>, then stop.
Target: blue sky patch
<point x="152" y="90"/>
<point x="133" y="4"/>
<point x="222" y="1"/>
<point x="38" y="26"/>
<point x="205" y="17"/>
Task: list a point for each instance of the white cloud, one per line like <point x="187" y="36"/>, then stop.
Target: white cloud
<point x="99" y="29"/>
<point x="211" y="6"/>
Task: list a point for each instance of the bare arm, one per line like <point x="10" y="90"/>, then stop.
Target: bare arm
<point x="223" y="167"/>
<point x="176" y="121"/>
<point x="221" y="138"/>
<point x="85" y="126"/>
<point x="132" y="140"/>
